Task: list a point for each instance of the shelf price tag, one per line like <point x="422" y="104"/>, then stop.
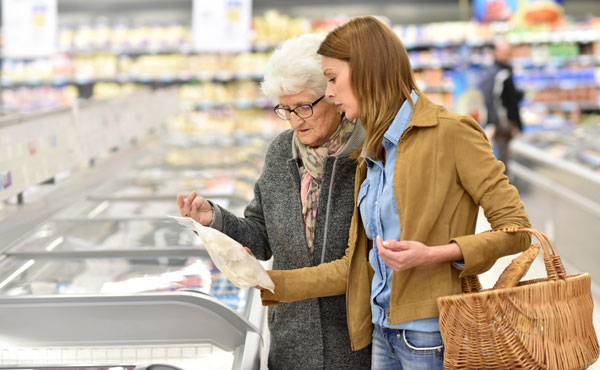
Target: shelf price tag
<point x="29" y="28"/>
<point x="222" y="25"/>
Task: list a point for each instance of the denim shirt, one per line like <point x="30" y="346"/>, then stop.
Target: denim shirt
<point x="379" y="214"/>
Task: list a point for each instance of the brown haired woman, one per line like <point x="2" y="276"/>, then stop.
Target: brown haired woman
<point x="421" y="177"/>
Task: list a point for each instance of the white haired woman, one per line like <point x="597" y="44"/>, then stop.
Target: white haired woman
<point x="302" y="208"/>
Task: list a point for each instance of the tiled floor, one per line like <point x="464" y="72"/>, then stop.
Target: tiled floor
<point x="536" y="270"/>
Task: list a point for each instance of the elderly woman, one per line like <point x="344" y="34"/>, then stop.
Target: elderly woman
<point x="302" y="207"/>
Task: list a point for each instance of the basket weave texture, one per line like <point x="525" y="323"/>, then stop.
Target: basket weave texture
<point x="539" y="324"/>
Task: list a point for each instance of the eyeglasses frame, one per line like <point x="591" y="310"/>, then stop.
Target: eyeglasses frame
<point x="311" y="105"/>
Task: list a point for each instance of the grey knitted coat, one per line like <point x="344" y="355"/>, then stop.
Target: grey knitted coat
<point x="310" y="334"/>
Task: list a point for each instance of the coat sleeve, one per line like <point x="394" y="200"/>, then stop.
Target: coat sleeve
<point x="324" y="280"/>
<point x="250" y="230"/>
<point x="482" y="176"/>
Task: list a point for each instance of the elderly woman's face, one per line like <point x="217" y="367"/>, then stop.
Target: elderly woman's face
<point x="316" y="129"/>
<point x="339" y="89"/>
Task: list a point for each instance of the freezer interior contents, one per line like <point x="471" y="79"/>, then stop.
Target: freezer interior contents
<point x="106" y="234"/>
<point x="49" y="276"/>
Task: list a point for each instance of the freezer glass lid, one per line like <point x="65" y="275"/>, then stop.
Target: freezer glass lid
<point x="205" y="157"/>
<point x="114" y="208"/>
<point x="86" y="234"/>
<point x="170" y="187"/>
<point x="50" y="276"/>
<point x="100" y="209"/>
<point x="242" y="173"/>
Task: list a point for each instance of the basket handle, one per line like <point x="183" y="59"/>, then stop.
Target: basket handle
<point x="554" y="266"/>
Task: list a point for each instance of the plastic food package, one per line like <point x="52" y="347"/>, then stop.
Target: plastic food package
<point x="230" y="257"/>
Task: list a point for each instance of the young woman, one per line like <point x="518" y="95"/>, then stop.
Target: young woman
<point x="421" y="178"/>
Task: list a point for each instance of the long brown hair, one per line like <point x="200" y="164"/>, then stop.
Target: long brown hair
<point x="380" y="73"/>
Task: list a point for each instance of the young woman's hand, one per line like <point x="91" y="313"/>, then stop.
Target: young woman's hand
<point x="196" y="207"/>
<point x="402" y="255"/>
<point x="409" y="253"/>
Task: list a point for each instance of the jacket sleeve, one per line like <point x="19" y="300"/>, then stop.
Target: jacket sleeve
<point x="324" y="280"/>
<point x="482" y="176"/>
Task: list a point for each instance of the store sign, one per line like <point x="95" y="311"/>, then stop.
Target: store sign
<point x="494" y="10"/>
<point x="222" y="25"/>
<point x="29" y="28"/>
<point x="519" y="11"/>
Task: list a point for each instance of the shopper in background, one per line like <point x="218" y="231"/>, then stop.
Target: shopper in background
<point x="302" y="208"/>
<point x="421" y="177"/>
<point x="502" y="101"/>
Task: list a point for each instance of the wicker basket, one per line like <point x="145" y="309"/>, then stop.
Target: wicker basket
<point x="539" y="324"/>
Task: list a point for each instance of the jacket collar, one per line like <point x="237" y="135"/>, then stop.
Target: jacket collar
<point x="425" y="114"/>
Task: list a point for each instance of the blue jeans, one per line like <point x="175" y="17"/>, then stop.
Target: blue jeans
<point x="406" y="350"/>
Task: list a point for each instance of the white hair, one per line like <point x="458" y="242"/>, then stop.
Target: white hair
<point x="295" y="67"/>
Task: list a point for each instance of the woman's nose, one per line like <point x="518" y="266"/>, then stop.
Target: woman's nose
<point x="329" y="92"/>
<point x="295" y="120"/>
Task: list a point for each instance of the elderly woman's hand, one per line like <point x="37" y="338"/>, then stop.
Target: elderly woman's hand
<point x="196" y="207"/>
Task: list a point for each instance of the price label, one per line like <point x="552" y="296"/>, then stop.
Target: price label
<point x="222" y="25"/>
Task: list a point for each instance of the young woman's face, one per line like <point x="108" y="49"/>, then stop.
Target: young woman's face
<point x="339" y="90"/>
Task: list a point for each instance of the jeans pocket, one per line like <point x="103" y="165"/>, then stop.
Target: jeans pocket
<point x="423" y="342"/>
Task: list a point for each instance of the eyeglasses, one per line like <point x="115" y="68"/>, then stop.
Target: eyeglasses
<point x="302" y="111"/>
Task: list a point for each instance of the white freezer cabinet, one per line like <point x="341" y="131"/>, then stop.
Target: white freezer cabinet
<point x="122" y="292"/>
<point x="184" y="330"/>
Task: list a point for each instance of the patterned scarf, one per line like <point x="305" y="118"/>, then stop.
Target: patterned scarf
<point x="311" y="172"/>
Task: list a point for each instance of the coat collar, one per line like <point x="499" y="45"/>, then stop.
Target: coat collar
<point x="425" y="114"/>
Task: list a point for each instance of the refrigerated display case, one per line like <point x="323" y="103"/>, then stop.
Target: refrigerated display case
<point x="205" y="157"/>
<point x="558" y="178"/>
<point x="108" y="280"/>
<point x="183" y="329"/>
<point x="122" y="291"/>
<point x="238" y="192"/>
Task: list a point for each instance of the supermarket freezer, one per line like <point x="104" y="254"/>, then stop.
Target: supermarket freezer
<point x="71" y="287"/>
<point x="111" y="281"/>
<point x="184" y="329"/>
<point x="562" y="198"/>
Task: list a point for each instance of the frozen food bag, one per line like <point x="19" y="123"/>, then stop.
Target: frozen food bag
<point x="230" y="257"/>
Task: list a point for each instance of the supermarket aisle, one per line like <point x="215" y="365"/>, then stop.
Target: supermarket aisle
<point x="536" y="270"/>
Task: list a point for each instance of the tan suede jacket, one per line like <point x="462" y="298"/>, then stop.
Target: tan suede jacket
<point x="444" y="171"/>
